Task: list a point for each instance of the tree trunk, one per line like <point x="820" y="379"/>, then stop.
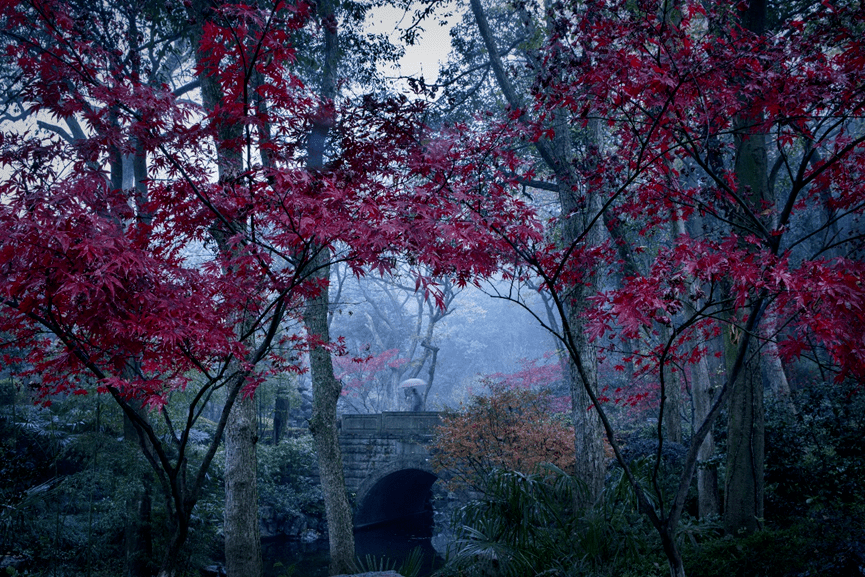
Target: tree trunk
<point x="773" y="369"/>
<point x="281" y="409"/>
<point x="707" y="473"/>
<point x="672" y="409"/>
<point x="743" y="489"/>
<point x="743" y="495"/>
<point x="137" y="537"/>
<point x="325" y="394"/>
<point x="589" y="432"/>
<point x="172" y="560"/>
<point x="242" y="536"/>
<point x="590" y="466"/>
<point x="674" y="557"/>
<point x="672" y="415"/>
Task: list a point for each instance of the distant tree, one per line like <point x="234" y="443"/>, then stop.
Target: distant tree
<point x="389" y="314"/>
<point x="366" y="380"/>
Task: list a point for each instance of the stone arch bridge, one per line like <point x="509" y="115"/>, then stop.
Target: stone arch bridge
<point x="387" y="464"/>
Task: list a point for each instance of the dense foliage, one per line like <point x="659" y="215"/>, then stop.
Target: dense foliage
<point x="509" y="428"/>
<point x="174" y="198"/>
<point x="69" y="479"/>
<point x="289" y="498"/>
<point x="526" y="524"/>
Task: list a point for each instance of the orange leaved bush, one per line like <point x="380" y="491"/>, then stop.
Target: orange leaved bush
<point x="511" y="428"/>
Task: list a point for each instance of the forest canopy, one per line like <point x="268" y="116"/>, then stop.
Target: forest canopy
<point x="673" y="192"/>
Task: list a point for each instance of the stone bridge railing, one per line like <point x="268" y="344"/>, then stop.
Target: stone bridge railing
<point x="391" y="424"/>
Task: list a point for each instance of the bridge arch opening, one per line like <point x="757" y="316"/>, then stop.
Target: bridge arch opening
<point x="396" y="495"/>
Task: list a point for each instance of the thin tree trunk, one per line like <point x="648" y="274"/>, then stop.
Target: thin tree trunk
<point x="773" y="368"/>
<point x="172" y="561"/>
<point x="672" y="416"/>
<point x="136" y="532"/>
<point x="280" y="413"/>
<point x="325" y="395"/>
<point x="708" y="500"/>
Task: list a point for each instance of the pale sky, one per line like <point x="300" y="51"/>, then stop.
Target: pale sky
<point x="428" y="52"/>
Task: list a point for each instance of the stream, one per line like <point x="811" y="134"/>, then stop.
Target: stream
<point x="394" y="541"/>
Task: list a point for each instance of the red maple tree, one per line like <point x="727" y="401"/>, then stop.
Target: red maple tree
<point x="186" y="278"/>
<point x="186" y="273"/>
<point x="743" y="141"/>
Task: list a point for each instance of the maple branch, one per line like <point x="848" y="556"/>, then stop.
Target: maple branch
<point x="170" y="426"/>
<point x="188" y="87"/>
<point x="639" y="167"/>
<point x="202" y="397"/>
<point x="760" y="230"/>
<point x="567" y="339"/>
<point x="836" y="158"/>
<point x="56" y="129"/>
<point x="238" y="379"/>
<point x="696" y="317"/>
<point x="830" y="242"/>
<point x="148" y="440"/>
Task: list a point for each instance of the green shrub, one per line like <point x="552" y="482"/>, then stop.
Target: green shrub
<point x="528" y="525"/>
<point x="285" y="473"/>
<point x="807" y="549"/>
<point x="815" y="462"/>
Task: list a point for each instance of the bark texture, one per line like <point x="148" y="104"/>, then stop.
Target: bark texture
<point x="323" y="425"/>
<point x="708" y="500"/>
<point x="242" y="534"/>
<point x="743" y="493"/>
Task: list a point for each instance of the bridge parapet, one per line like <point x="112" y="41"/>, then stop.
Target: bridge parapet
<point x="391" y="425"/>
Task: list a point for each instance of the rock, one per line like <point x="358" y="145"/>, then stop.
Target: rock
<point x="309" y="536"/>
<point x="15" y="562"/>
<point x="373" y="574"/>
